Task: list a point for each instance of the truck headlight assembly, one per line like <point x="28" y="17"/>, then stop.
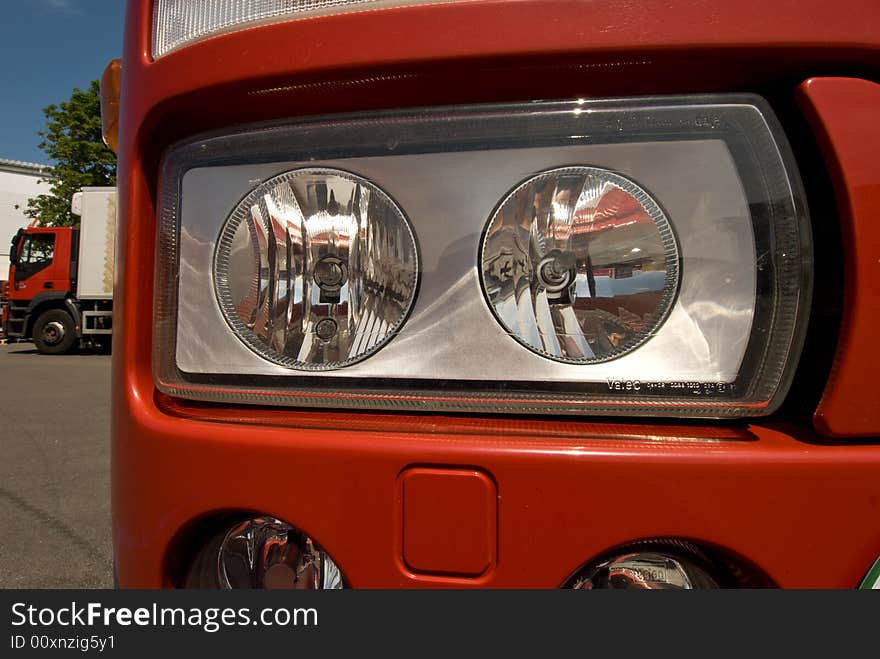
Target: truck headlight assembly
<point x="646" y="257"/>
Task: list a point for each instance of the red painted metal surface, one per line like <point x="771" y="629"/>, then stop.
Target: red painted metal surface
<point x="53" y="278"/>
<point x="448" y="522"/>
<point x="845" y="115"/>
<point x="4" y="309"/>
<point x="803" y="511"/>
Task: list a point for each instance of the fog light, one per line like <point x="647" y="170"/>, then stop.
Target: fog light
<point x="580" y="264"/>
<point x="316" y="269"/>
<point x="264" y="552"/>
<point x="646" y="570"/>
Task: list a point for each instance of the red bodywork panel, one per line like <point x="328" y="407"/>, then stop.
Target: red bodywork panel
<point x="4" y="295"/>
<point x="845" y="115"/>
<point x="52" y="278"/>
<point x="804" y="511"/>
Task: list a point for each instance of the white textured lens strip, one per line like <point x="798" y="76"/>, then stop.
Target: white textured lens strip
<point x="177" y="23"/>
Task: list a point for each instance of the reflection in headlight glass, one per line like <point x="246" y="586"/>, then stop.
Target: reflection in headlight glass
<point x="316" y="268"/>
<point x="579" y="264"/>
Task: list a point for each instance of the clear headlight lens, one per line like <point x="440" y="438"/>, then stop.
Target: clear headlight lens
<point x="580" y="264"/>
<point x="316" y="268"/>
<point x="645" y="257"/>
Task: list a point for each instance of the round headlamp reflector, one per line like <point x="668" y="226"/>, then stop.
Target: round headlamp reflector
<point x="579" y="264"/>
<point x="263" y="553"/>
<point x="316" y="269"/>
<point x="646" y="570"/>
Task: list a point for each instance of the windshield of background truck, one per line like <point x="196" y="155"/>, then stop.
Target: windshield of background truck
<point x="37" y="249"/>
<point x="13" y="252"/>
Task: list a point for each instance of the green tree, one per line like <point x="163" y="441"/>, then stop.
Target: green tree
<point x="73" y="142"/>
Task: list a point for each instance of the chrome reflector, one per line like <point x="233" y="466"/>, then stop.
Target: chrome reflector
<point x="316" y="268"/>
<point x="645" y="571"/>
<point x="579" y="264"/>
<point x="263" y="552"/>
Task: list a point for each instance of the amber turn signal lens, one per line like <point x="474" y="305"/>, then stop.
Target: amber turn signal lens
<point x="111" y="84"/>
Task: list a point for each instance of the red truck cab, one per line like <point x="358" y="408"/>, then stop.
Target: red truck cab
<point x="60" y="290"/>
<point x="451" y="468"/>
<point x="40" y="281"/>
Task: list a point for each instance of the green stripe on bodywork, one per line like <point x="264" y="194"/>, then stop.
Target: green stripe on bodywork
<point x="872" y="579"/>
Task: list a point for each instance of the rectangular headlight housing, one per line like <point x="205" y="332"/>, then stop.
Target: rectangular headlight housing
<point x="646" y="257"/>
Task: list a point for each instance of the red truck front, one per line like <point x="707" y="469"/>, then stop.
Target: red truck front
<point x="502" y="294"/>
<point x="41" y="280"/>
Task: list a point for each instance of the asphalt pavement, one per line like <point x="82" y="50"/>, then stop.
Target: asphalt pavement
<point x="54" y="469"/>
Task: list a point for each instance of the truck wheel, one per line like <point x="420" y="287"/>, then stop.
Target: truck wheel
<point x="54" y="332"/>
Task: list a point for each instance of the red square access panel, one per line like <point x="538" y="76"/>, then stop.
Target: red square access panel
<point x="449" y="521"/>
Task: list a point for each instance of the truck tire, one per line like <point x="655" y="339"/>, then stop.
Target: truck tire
<point x="54" y="332"/>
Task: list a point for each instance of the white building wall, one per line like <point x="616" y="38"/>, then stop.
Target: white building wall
<point x="16" y="187"/>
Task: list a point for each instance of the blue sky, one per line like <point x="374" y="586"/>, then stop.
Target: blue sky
<point x="48" y="47"/>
